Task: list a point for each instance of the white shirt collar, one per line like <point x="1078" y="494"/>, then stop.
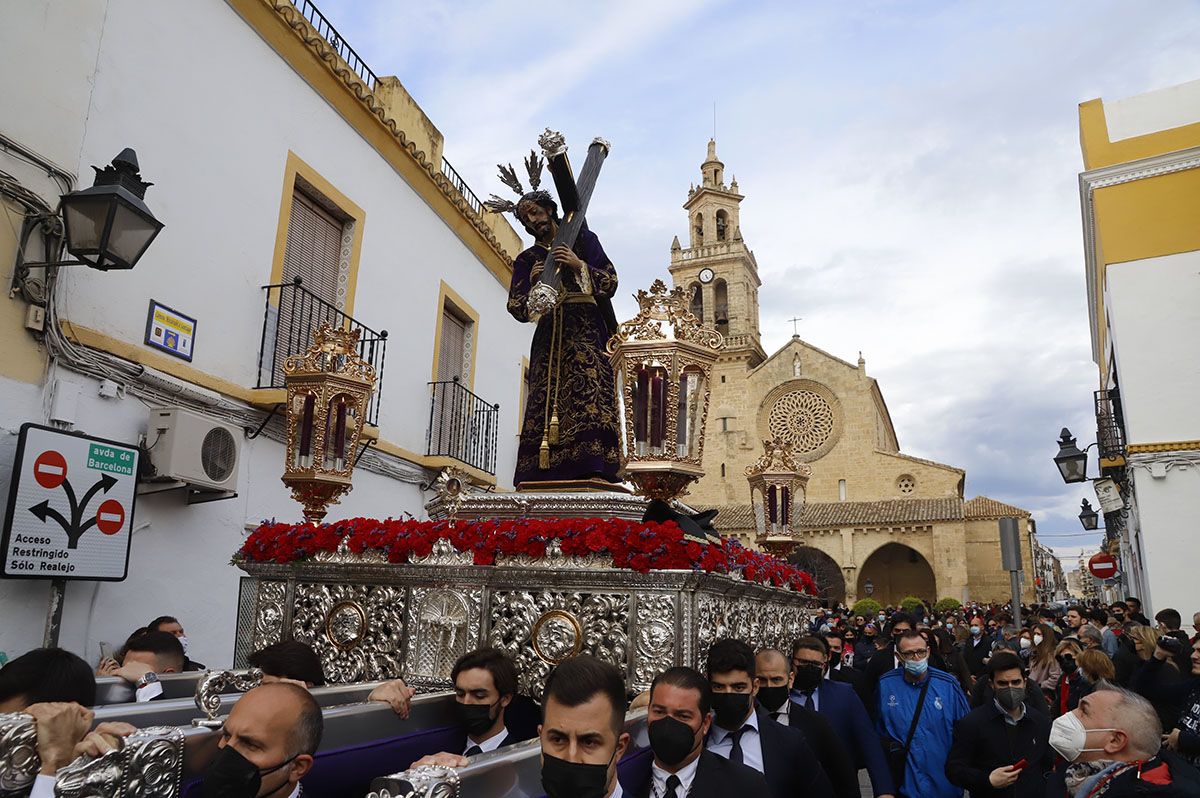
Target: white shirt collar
<point x="491" y="743"/>
<point x="617" y="791"/>
<point x="686" y="774"/>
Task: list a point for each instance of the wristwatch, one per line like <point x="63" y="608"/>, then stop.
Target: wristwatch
<point x="149" y="677"/>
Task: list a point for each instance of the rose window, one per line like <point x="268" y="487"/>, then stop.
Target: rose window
<point x="803" y="419"/>
<point x="906" y="484"/>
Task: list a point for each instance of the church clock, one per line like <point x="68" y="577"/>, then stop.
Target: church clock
<point x="706" y="275"/>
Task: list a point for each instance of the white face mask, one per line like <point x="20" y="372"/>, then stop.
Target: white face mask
<point x="1068" y="736"/>
<point x="1037" y="640"/>
<point x="1026" y="643"/>
<point x="183" y="642"/>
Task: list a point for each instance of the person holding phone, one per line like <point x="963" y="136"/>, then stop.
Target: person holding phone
<point x="1002" y="747"/>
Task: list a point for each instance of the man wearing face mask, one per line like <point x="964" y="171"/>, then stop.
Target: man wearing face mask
<point x="977" y="648"/>
<point x="746" y="734"/>
<point x="983" y="693"/>
<point x="840" y="705"/>
<point x="1111" y="746"/>
<point x="267" y="744"/>
<point x="774" y="676"/>
<point x="918" y="707"/>
<point x="992" y="740"/>
<point x="582" y="729"/>
<point x="171" y="625"/>
<point x="678" y="723"/>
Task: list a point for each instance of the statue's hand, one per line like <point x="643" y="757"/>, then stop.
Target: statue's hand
<point x="565" y="256"/>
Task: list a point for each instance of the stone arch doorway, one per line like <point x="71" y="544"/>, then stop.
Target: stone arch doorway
<point x="831" y="583"/>
<point x="895" y="571"/>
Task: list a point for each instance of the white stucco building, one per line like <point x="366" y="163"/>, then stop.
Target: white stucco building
<point x="1140" y="197"/>
<point x="274" y="155"/>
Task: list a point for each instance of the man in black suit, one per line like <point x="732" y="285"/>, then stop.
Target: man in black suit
<point x="838" y="670"/>
<point x="743" y="733"/>
<point x="679" y="720"/>
<point x="485" y="683"/>
<point x="774" y="679"/>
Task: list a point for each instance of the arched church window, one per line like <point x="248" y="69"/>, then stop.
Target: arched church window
<point x="722" y="224"/>
<point x="721" y="302"/>
<point x="696" y="306"/>
<point x="699" y="229"/>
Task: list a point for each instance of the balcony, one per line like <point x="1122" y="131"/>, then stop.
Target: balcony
<point x="462" y="426"/>
<point x="1110" y="433"/>
<point x="292" y="313"/>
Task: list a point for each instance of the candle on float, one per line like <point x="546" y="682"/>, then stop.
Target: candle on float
<point x="306" y="428"/>
<point x="681" y="426"/>
<point x="641" y="396"/>
<point x="339" y="436"/>
<point x="785" y="507"/>
<point x="771" y="506"/>
<point x="658" y="412"/>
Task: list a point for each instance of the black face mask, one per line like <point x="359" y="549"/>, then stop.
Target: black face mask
<point x="1067" y="664"/>
<point x="231" y="775"/>
<point x="731" y="709"/>
<point x="773" y="698"/>
<point x="808" y="678"/>
<point x="563" y="779"/>
<point x="671" y="740"/>
<point x="475" y="718"/>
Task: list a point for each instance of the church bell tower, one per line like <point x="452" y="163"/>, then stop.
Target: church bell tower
<point x="716" y="268"/>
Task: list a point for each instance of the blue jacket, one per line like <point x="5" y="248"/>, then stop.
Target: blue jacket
<point x="945" y="704"/>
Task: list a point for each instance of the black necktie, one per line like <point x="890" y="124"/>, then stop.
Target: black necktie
<point x="473" y="751"/>
<point x="735" y="753"/>
<point x="808" y="701"/>
<point x="672" y="786"/>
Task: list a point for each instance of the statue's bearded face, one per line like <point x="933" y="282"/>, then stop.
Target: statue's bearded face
<point x="537" y="220"/>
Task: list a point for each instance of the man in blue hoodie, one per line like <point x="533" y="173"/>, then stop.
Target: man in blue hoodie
<point x="913" y="688"/>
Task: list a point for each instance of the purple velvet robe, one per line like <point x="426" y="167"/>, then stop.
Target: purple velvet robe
<point x="586" y="403"/>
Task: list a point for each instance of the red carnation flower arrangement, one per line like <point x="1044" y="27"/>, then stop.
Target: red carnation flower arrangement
<point x="635" y="545"/>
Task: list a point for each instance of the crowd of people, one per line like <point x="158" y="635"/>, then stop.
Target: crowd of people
<point x="1093" y="701"/>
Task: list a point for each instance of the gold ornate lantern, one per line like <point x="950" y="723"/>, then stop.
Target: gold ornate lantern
<point x="663" y="361"/>
<point x="777" y="485"/>
<point x="327" y="392"/>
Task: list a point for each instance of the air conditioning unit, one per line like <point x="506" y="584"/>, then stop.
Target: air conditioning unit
<point x="191" y="448"/>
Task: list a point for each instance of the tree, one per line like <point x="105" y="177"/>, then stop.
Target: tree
<point x="910" y="603"/>
<point x="947" y="605"/>
<point x="866" y="607"/>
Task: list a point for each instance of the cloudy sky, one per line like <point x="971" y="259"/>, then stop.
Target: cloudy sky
<point x="910" y="172"/>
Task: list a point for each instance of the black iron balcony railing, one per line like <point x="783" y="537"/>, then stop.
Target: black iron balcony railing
<point x="462" y="426"/>
<point x="1110" y="437"/>
<point x="343" y="48"/>
<point x="292" y="314"/>
<point x="461" y="187"/>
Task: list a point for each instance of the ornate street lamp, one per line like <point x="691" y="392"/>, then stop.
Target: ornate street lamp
<point x="327" y="392"/>
<point x="1088" y="517"/>
<point x="777" y="486"/>
<point x="1071" y="462"/>
<point x="663" y="361"/>
<point x="108" y="226"/>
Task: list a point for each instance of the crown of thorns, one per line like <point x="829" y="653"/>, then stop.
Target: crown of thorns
<point x="508" y="176"/>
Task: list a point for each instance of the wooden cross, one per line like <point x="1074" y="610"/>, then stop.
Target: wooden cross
<point x="573" y="196"/>
<point x="793" y="321"/>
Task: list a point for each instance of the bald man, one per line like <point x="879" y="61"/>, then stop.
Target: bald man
<point x="267" y="744"/>
<point x="774" y="674"/>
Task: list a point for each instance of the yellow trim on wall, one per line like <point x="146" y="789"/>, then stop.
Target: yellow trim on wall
<point x="135" y="353"/>
<point x="1100" y="151"/>
<point x="1148" y="218"/>
<point x="295" y="166"/>
<point x="448" y="297"/>
<point x="1167" y="446"/>
<point x="289" y="34"/>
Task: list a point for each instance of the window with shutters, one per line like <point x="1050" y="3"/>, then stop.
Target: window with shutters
<point x="314" y="247"/>
<point x="452" y="350"/>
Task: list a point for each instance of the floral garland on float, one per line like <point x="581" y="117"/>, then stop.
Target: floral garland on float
<point x="638" y="546"/>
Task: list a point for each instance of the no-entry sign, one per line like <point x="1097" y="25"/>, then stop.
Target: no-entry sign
<point x="1103" y="566"/>
<point x="70" y="507"/>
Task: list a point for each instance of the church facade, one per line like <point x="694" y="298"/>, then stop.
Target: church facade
<point x="876" y="522"/>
